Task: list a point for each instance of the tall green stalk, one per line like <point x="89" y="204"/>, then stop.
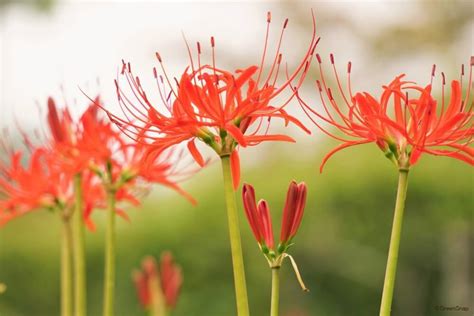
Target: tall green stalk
<point x="109" y="271"/>
<point x="391" y="270"/>
<point x="235" y="242"/>
<point x="66" y="265"/>
<point x="80" y="305"/>
<point x="275" y="291"/>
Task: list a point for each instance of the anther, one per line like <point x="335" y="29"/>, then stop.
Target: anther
<point x="279" y="58"/>
<point x="330" y="95"/>
<point x="472" y="61"/>
<point x="212" y="41"/>
<point x="349" y="67"/>
<point x="199" y="47"/>
<point x="319" y="85"/>
<point x="269" y="17"/>
<point x="444" y="79"/>
<point x="285" y="24"/>
<point x="433" y="70"/>
<point x="155" y="73"/>
<point x="318" y="58"/>
<point x="462" y="69"/>
<point x="331" y="57"/>
<point x="129" y="67"/>
<point x="158" y="57"/>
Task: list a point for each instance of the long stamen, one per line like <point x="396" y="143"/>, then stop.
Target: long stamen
<point x="277" y="53"/>
<point x="469" y="85"/>
<point x="341" y="90"/>
<point x="349" y="86"/>
<point x="166" y="75"/>
<point x="269" y="19"/>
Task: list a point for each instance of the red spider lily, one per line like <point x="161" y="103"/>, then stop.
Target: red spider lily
<point x="50" y="189"/>
<point x="405" y="122"/>
<point x="260" y="221"/>
<point x="221" y="108"/>
<point x="96" y="144"/>
<point x="158" y="288"/>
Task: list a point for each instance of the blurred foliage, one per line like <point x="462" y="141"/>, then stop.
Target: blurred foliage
<point x="439" y="26"/>
<point x="41" y="5"/>
<point x="434" y="25"/>
<point x="340" y="249"/>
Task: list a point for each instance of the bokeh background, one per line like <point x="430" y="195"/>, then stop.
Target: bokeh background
<point x="52" y="47"/>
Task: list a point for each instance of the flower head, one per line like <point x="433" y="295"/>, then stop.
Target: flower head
<point x="50" y="188"/>
<point x="221" y="108"/>
<point x="405" y="122"/>
<point x="158" y="288"/>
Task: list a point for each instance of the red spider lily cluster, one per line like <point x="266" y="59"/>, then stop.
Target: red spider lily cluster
<point x="405" y="122"/>
<point x="112" y="158"/>
<point x="221" y="108"/>
<point x="158" y="289"/>
<point x="91" y="147"/>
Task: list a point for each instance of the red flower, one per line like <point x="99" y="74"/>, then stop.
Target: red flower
<point x="260" y="220"/>
<point x="405" y="122"/>
<point x="50" y="188"/>
<point x="218" y="107"/>
<point x="158" y="289"/>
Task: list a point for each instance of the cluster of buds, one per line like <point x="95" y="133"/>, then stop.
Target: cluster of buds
<point x="258" y="216"/>
<point x="158" y="289"/>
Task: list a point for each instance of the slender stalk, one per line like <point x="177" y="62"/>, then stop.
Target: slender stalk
<point x="109" y="270"/>
<point x="66" y="266"/>
<point x="275" y="291"/>
<point x="391" y="270"/>
<point x="235" y="242"/>
<point x="158" y="304"/>
<point x="79" y="252"/>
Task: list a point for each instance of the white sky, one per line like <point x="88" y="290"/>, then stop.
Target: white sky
<point x="80" y="41"/>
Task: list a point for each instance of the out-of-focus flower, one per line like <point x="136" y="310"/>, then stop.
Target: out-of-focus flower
<point x="221" y="108"/>
<point x="158" y="289"/>
<point x="94" y="143"/>
<point x="258" y="216"/>
<point x="405" y="122"/>
<point x="42" y="185"/>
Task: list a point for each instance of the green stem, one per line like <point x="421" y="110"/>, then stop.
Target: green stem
<point x="109" y="271"/>
<point x="66" y="268"/>
<point x="275" y="291"/>
<point x="391" y="270"/>
<point x="79" y="253"/>
<point x="235" y="243"/>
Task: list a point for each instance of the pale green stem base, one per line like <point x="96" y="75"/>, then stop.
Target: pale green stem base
<point x="391" y="270"/>
<point x="109" y="270"/>
<point x="66" y="268"/>
<point x="79" y="252"/>
<point x="158" y="304"/>
<point x="235" y="242"/>
<point x="275" y="292"/>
